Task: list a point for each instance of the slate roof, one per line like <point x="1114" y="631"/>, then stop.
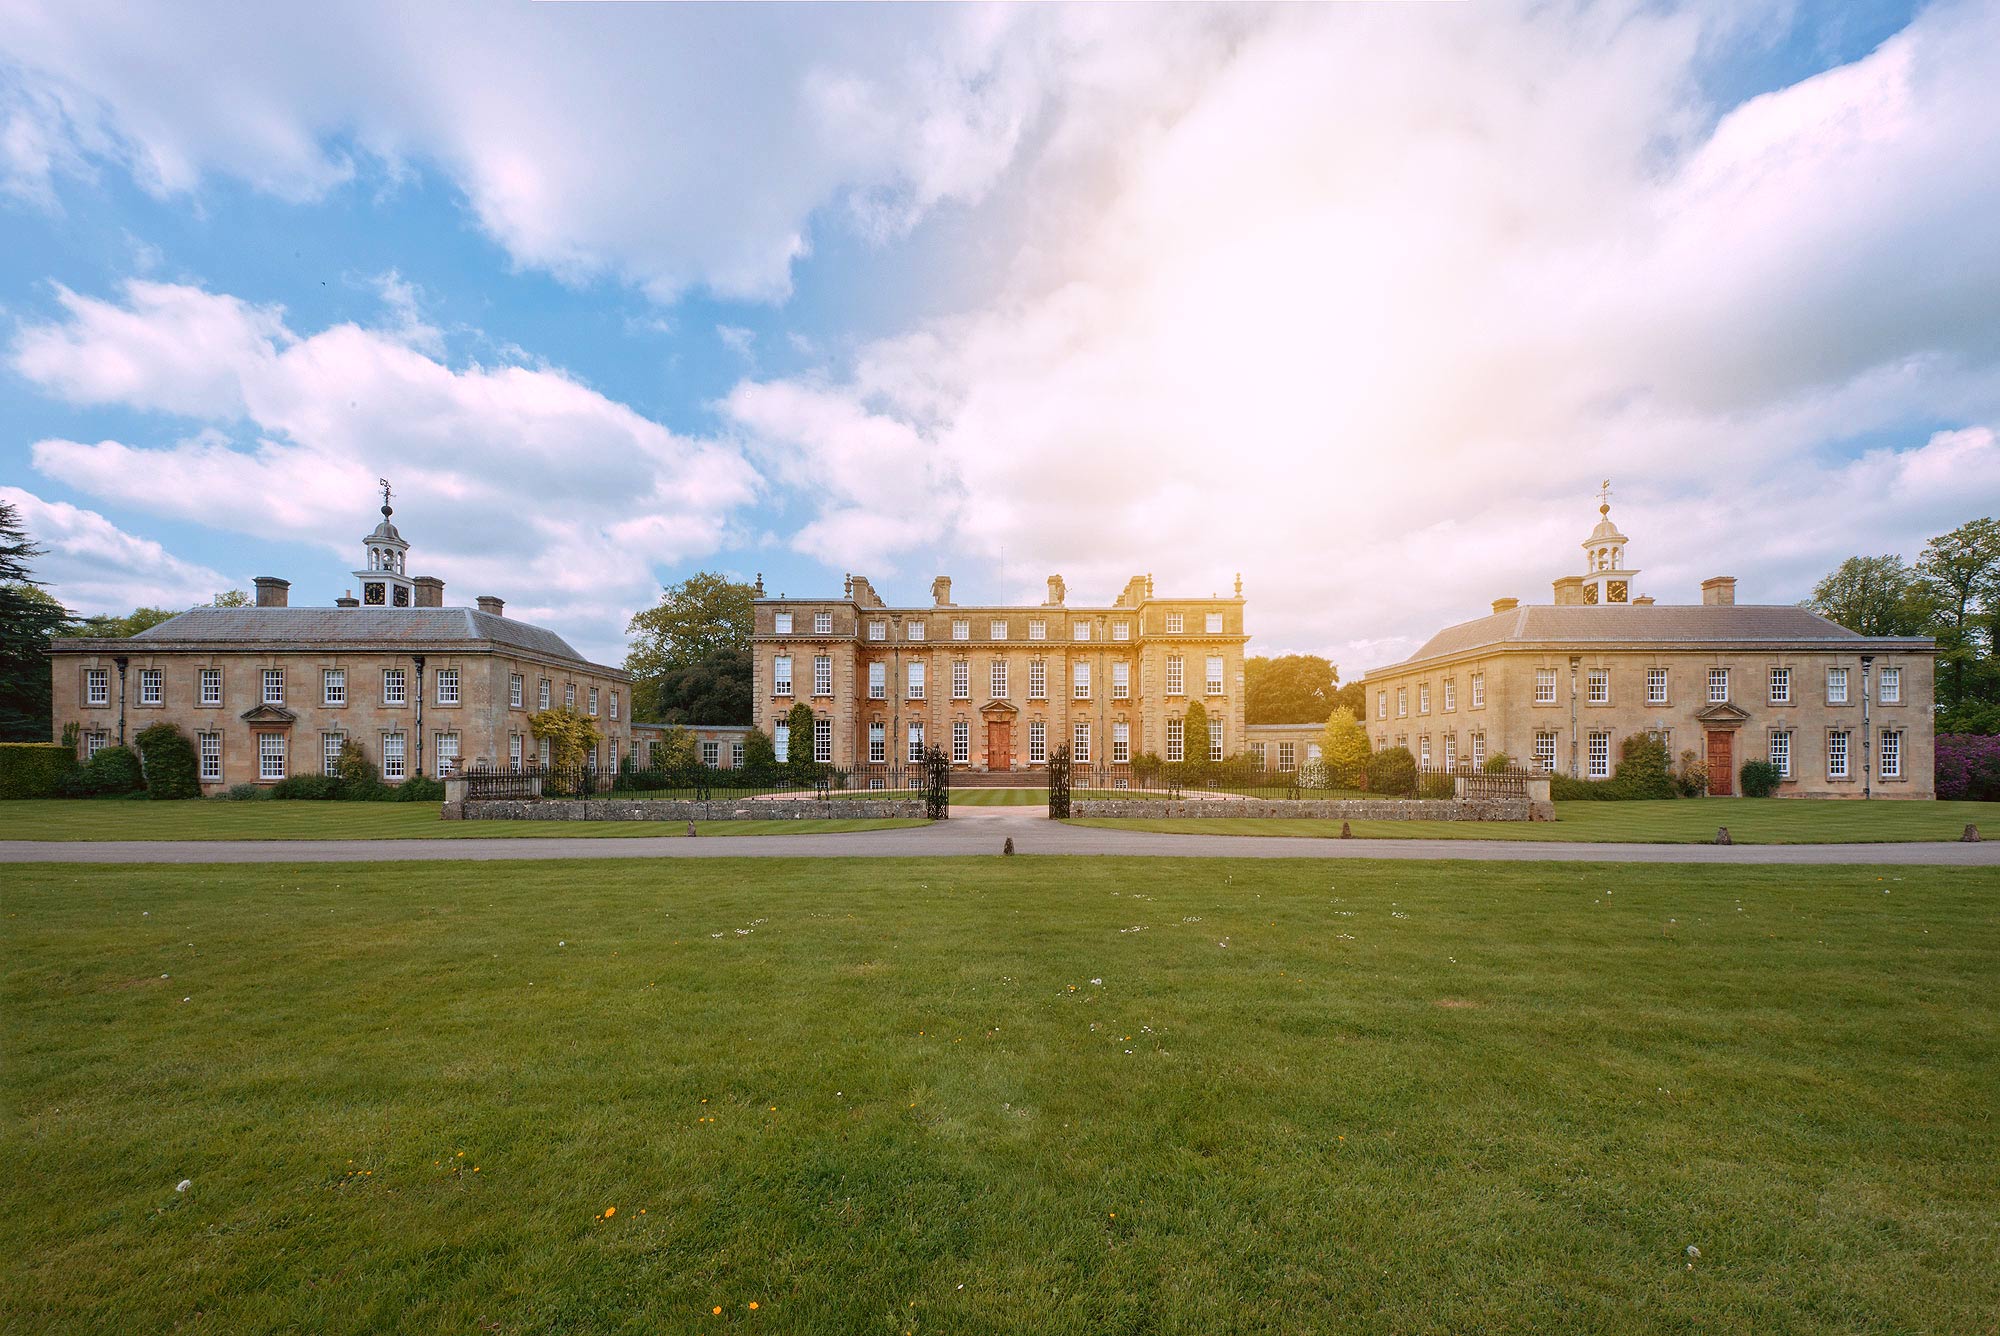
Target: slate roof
<point x="1676" y="624"/>
<point x="414" y="628"/>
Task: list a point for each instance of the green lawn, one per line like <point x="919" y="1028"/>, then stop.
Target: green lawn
<point x="1675" y="821"/>
<point x="999" y="1095"/>
<point x="269" y="819"/>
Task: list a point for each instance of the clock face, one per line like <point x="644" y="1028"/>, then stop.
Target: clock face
<point x="1590" y="593"/>
<point x="372" y="593"/>
<point x="402" y="597"/>
<point x="1616" y="591"/>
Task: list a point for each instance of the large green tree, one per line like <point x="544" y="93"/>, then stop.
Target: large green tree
<point x="1288" y="689"/>
<point x="29" y="618"/>
<point x="119" y="625"/>
<point x="1877" y="596"/>
<point x="1961" y="570"/>
<point x="690" y="653"/>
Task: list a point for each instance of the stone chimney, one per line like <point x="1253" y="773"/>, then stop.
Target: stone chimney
<point x="347" y="600"/>
<point x="1569" y="591"/>
<point x="430" y="591"/>
<point x="861" y="592"/>
<point x="1643" y="601"/>
<point x="491" y="605"/>
<point x="1718" y="589"/>
<point x="1501" y="605"/>
<point x="1056" y="592"/>
<point x="941" y="591"/>
<point x="272" y="592"/>
<point x="1134" y="593"/>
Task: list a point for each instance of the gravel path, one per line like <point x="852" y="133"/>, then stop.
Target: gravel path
<point x="976" y="831"/>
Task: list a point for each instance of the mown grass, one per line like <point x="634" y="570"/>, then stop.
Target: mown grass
<point x="1674" y="821"/>
<point x="272" y="819"/>
<point x="1005" y="1095"/>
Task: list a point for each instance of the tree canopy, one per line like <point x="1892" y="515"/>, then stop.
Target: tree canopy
<point x="1288" y="689"/>
<point x="690" y="653"/>
<point x="1877" y="596"/>
<point x="29" y="617"/>
<point x="118" y="625"/>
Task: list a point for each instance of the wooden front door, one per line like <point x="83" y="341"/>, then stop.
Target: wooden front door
<point x="1721" y="764"/>
<point x="999" y="744"/>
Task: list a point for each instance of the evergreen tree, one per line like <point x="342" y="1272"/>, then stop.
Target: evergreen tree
<point x="1343" y="749"/>
<point x="29" y="618"/>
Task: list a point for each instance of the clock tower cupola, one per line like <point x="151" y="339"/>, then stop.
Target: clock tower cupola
<point x="384" y="576"/>
<point x="1606" y="579"/>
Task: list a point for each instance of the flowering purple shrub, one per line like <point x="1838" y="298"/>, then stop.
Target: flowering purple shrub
<point x="1968" y="766"/>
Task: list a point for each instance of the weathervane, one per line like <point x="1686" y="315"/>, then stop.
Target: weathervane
<point x="383" y="483"/>
<point x="1603" y="497"/>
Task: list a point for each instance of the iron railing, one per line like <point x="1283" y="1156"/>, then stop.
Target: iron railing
<point x="1241" y="778"/>
<point x="929" y="780"/>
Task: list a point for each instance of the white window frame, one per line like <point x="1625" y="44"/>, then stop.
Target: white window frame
<point x="822" y="674"/>
<point x="781" y="675"/>
<point x="961" y="742"/>
<point x="1718" y="686"/>
<point x="1597" y="686"/>
<point x="1423" y="698"/>
<point x="331" y="745"/>
<point x="1836" y="686"/>
<point x="781" y="743"/>
<point x="997" y="630"/>
<point x="1080" y="681"/>
<point x="915" y="736"/>
<point x="878" y="630"/>
<point x="996" y="678"/>
<point x="915" y="631"/>
<point x="1079" y="742"/>
<point x="1545" y="686"/>
<point x="961" y="628"/>
<point x="1121" y="680"/>
<point x="210" y="678"/>
<point x="1479" y="748"/>
<point x="1121" y="742"/>
<point x="333" y="686"/>
<point x="1121" y="630"/>
<point x="444" y="752"/>
<point x="1382" y="704"/>
<point x="1079" y="631"/>
<point x="95" y="741"/>
<point x="1781" y="685"/>
<point x="914" y="680"/>
<point x="1288" y="757"/>
<point x="1545" y="751"/>
<point x="1450" y="694"/>
<point x="209" y="748"/>
<point x="1038" y="680"/>
<point x="1478" y="690"/>
<point x="1450" y="750"/>
<point x="1890" y="689"/>
<point x="270" y="756"/>
<point x="97" y="686"/>
<point x="1839" y="761"/>
<point x="1038" y="742"/>
<point x="1212" y="623"/>
<point x="1424" y="751"/>
<point x="614" y="705"/>
<point x="1891" y="752"/>
<point x="1037" y="629"/>
<point x="1215" y="739"/>
<point x="516" y="752"/>
<point x="517" y="691"/>
<point x="447" y="687"/>
<point x="1656" y="686"/>
<point x="396" y="755"/>
<point x="781" y="623"/>
<point x="1176" y="740"/>
<point x="1597" y="753"/>
<point x="545" y="694"/>
<point x="1212" y="679"/>
<point x="152" y="686"/>
<point x="590" y="703"/>
<point x="822" y="623"/>
<point x="1402" y="702"/>
<point x="1176" y="675"/>
<point x="1175" y="622"/>
<point x="711" y="754"/>
<point x="878" y="680"/>
<point x="961" y="679"/>
<point x="274" y="686"/>
<point x="1781" y="752"/>
<point x="878" y="743"/>
<point x="822" y="740"/>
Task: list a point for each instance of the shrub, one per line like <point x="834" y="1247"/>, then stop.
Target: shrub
<point x="359" y="780"/>
<point x="1641" y="774"/>
<point x="799" y="767"/>
<point x="1392" y="772"/>
<point x="1147" y="767"/>
<point x="245" y="793"/>
<point x="1497" y="763"/>
<point x="1691" y="778"/>
<point x="1436" y="784"/>
<point x="171" y="771"/>
<point x="420" y="789"/>
<point x="34" y="769"/>
<point x="1759" y="779"/>
<point x="1343" y="746"/>
<point x="1968" y="767"/>
<point x="112" y="770"/>
<point x="760" y="759"/>
<point x="310" y="788"/>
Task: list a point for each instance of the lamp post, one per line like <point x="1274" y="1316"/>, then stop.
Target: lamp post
<point x="418" y="741"/>
<point x="1867" y="734"/>
<point x="121" y="661"/>
<point x="1575" y="661"/>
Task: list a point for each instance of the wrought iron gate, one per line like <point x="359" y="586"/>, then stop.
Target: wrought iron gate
<point x="1059" y="769"/>
<point x="937" y="785"/>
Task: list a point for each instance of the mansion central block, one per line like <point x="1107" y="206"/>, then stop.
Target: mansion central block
<point x="999" y="688"/>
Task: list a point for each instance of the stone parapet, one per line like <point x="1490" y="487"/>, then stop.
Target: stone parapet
<point x="659" y="809"/>
<point x="1343" y="809"/>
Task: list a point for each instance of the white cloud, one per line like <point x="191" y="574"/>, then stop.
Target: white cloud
<point x="519" y="481"/>
<point x="1370" y="316"/>
<point x="94" y="566"/>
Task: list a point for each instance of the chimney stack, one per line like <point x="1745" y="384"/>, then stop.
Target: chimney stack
<point x="1569" y="591"/>
<point x="941" y="591"/>
<point x="1056" y="591"/>
<point x="491" y="605"/>
<point x="347" y="600"/>
<point x="430" y="591"/>
<point x="1643" y="601"/>
<point x="1501" y="605"/>
<point x="272" y="592"/>
<point x="1718" y="590"/>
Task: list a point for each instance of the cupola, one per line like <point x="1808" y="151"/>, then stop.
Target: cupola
<point x="384" y="577"/>
<point x="1606" y="577"/>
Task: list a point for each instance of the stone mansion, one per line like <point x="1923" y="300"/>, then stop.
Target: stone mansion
<point x="271" y="691"/>
<point x="1559" y="686"/>
<point x="998" y="688"/>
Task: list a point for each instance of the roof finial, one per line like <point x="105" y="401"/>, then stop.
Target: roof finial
<point x="383" y="483"/>
<point x="1604" y="498"/>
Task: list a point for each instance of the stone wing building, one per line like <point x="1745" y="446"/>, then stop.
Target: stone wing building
<point x="271" y="691"/>
<point x="999" y="687"/>
<point x="1560" y="686"/>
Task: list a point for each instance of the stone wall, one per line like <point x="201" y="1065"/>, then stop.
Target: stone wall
<point x="656" y="809"/>
<point x="1345" y="809"/>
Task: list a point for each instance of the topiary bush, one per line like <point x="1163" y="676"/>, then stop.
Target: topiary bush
<point x="35" y="769"/>
<point x="420" y="789"/>
<point x="309" y="788"/>
<point x="112" y="770"/>
<point x="1758" y="778"/>
<point x="1392" y="773"/>
<point x="359" y="780"/>
<point x="1497" y="763"/>
<point x="171" y="770"/>
<point x="245" y="793"/>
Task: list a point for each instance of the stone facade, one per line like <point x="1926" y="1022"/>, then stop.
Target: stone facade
<point x="999" y="688"/>
<point x="1285" y="748"/>
<point x="1560" y="687"/>
<point x="271" y="691"/>
<point x="718" y="746"/>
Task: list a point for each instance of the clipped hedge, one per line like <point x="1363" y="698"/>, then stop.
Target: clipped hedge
<point x="171" y="770"/>
<point x="34" y="769"/>
<point x="1641" y="774"/>
<point x="1759" y="779"/>
<point x="112" y="770"/>
<point x="1392" y="773"/>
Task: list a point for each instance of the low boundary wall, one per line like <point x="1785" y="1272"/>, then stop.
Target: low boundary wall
<point x="1344" y="809"/>
<point x="659" y="809"/>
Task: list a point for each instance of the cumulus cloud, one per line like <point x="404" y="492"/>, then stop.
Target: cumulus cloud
<point x="519" y="481"/>
<point x="1374" y="338"/>
<point x="94" y="566"/>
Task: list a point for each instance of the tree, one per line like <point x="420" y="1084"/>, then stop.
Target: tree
<point x="118" y="626"/>
<point x="760" y="759"/>
<point x="1961" y="570"/>
<point x="29" y="617"/>
<point x="1289" y="689"/>
<point x="799" y="743"/>
<point x="230" y="598"/>
<point x="1343" y="749"/>
<point x="1352" y="699"/>
<point x="1194" y="736"/>
<point x="170" y="763"/>
<point x="571" y="736"/>
<point x="674" y="659"/>
<point x="1876" y="596"/>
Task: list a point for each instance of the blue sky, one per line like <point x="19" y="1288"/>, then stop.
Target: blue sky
<point x="1360" y="303"/>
